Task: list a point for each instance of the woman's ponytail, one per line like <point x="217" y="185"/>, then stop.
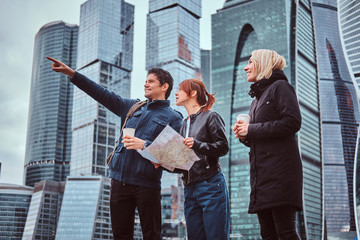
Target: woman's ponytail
<point x="210" y="101"/>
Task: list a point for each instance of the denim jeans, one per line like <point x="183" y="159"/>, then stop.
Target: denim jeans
<point x="207" y="209"/>
<point x="278" y="223"/>
<point x="124" y="198"/>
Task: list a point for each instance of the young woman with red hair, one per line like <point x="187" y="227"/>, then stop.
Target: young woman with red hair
<point x="207" y="208"/>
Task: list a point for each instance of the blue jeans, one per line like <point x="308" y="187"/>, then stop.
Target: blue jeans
<point x="207" y="209"/>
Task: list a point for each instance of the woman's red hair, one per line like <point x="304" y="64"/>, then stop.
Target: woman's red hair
<point x="204" y="98"/>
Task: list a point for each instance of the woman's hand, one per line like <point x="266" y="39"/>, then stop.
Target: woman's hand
<point x="156" y="165"/>
<point x="241" y="129"/>
<point x="189" y="142"/>
<point x="61" y="67"/>
<point x="131" y="142"/>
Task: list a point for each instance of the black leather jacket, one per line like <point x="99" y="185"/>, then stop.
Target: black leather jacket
<point x="210" y="142"/>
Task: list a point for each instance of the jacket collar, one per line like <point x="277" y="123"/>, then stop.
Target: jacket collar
<point x="193" y="116"/>
<point x="158" y="103"/>
<point x="257" y="88"/>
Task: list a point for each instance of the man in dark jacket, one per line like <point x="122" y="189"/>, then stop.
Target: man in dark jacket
<point x="135" y="181"/>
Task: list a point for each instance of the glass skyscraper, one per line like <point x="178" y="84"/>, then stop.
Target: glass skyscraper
<point x="340" y="120"/>
<point x="14" y="206"/>
<point x="348" y="15"/>
<point x="85" y="210"/>
<point x="44" y="210"/>
<point x="48" y="143"/>
<point x="173" y="39"/>
<point x="173" y="44"/>
<point x="105" y="50"/>
<point x="286" y="27"/>
<point x="349" y="12"/>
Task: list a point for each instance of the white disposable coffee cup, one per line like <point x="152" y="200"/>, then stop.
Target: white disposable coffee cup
<point x="129" y="131"/>
<point x="245" y="118"/>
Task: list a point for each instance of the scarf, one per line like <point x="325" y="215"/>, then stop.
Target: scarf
<point x="257" y="88"/>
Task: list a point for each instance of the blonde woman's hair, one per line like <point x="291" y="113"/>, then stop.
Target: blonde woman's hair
<point x="265" y="61"/>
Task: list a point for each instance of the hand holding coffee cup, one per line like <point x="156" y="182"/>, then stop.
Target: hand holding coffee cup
<point x="241" y="126"/>
<point x="131" y="142"/>
<point x="129" y="131"/>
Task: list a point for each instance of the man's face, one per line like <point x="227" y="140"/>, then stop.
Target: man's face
<point x="152" y="88"/>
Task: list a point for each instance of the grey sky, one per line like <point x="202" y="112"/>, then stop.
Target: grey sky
<point x="20" y="20"/>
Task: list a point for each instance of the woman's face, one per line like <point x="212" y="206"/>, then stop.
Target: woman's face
<point x="250" y="71"/>
<point x="181" y="97"/>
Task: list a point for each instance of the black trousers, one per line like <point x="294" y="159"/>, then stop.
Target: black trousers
<point x="278" y="223"/>
<point x="124" y="198"/>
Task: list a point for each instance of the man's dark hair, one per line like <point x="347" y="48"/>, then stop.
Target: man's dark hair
<point x="163" y="77"/>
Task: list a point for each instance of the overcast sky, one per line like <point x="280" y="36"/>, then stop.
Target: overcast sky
<point x="19" y="22"/>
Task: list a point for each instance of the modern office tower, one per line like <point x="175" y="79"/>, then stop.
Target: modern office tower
<point x="48" y="143"/>
<point x="286" y="27"/>
<point x="173" y="44"/>
<point x="173" y="39"/>
<point x="14" y="206"/>
<point x="349" y="12"/>
<point x="85" y="208"/>
<point x="340" y="121"/>
<point x="44" y="210"/>
<point x="105" y="56"/>
<point x="206" y="69"/>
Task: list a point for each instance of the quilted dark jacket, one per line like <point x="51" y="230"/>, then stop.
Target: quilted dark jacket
<point x="275" y="164"/>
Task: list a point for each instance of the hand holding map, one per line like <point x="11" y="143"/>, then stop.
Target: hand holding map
<point x="169" y="151"/>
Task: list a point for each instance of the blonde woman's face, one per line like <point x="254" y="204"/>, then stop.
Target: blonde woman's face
<point x="250" y="71"/>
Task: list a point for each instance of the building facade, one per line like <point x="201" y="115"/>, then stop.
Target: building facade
<point x="340" y="120"/>
<point x="14" y="206"/>
<point x="174" y="45"/>
<point x="105" y="50"/>
<point x="239" y="28"/>
<point x="348" y="15"/>
<point x="85" y="210"/>
<point x="206" y="69"/>
<point x="44" y="210"/>
<point x="48" y="143"/>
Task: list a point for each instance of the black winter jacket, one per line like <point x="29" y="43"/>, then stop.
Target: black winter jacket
<point x="275" y="164"/>
<point x="210" y="142"/>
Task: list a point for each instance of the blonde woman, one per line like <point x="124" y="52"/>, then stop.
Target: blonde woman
<point x="275" y="164"/>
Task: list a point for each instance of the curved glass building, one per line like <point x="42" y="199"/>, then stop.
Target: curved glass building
<point x="48" y="143"/>
<point x="349" y="17"/>
<point x="240" y="27"/>
<point x="340" y="119"/>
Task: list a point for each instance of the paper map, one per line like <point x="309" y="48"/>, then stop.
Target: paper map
<point x="169" y="151"/>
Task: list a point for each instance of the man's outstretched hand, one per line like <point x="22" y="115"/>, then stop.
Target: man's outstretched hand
<point x="61" y="67"/>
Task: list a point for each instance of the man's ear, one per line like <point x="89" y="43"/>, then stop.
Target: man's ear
<point x="165" y="87"/>
<point x="193" y="93"/>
